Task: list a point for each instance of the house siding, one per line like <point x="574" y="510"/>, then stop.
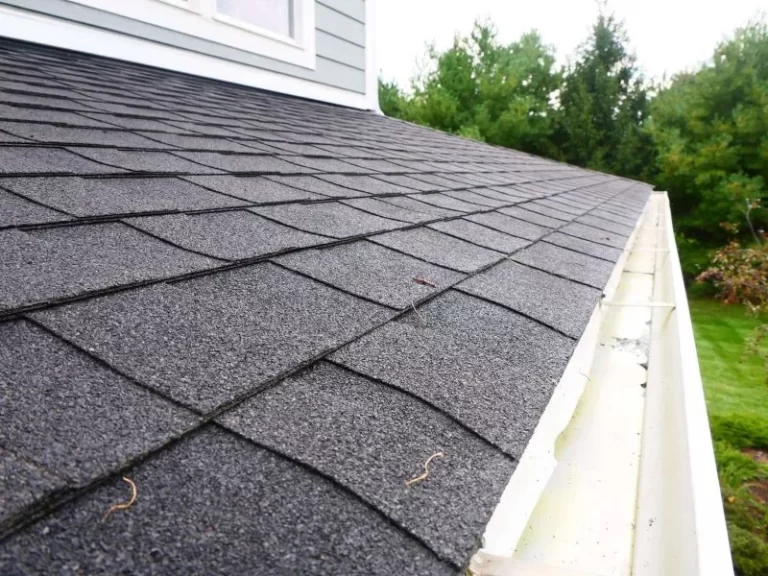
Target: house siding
<point x="340" y="39"/>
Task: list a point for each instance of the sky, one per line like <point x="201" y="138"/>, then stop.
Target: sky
<point x="666" y="35"/>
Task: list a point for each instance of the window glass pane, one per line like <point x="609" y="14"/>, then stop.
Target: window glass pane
<point x="274" y="15"/>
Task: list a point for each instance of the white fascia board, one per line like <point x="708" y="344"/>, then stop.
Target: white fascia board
<point x="41" y="29"/>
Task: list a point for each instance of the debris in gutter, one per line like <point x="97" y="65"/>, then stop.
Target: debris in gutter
<point x="124" y="505"/>
<point x="424" y="282"/>
<point x="426" y="469"/>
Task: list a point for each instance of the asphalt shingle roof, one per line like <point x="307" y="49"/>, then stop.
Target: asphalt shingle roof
<point x="268" y="313"/>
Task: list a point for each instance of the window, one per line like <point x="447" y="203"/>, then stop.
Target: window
<point x="278" y="29"/>
<point x="274" y="15"/>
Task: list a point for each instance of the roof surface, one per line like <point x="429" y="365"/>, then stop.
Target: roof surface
<point x="268" y="313"/>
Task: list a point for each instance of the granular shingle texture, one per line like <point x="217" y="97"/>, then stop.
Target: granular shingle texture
<point x="268" y="312"/>
<point x="485" y="365"/>
<point x="372" y="271"/>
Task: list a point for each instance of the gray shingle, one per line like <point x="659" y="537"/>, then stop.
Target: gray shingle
<point x="371" y="271"/>
<point x="305" y="164"/>
<point x="567" y="263"/>
<point x="230" y="235"/>
<point x="331" y="219"/>
<point x="631" y="222"/>
<point x="595" y="235"/>
<point x="198" y="142"/>
<point x="372" y="438"/>
<point x="409" y="182"/>
<point x="386" y="210"/>
<point x="366" y="184"/>
<point x="52" y="116"/>
<point x="548" y="211"/>
<point x="312" y="184"/>
<point x="560" y="206"/>
<point x="480" y="235"/>
<point x="410" y="203"/>
<point x="38" y="160"/>
<point x="133" y="123"/>
<point x="510" y="225"/>
<point x="245" y="163"/>
<point x="42" y="265"/>
<point x="154" y="162"/>
<point x="492" y="369"/>
<point x="216" y="504"/>
<point x="532" y="217"/>
<point x="557" y="302"/>
<point x="604" y="224"/>
<point x="477" y="199"/>
<point x="103" y="196"/>
<point x="22" y="483"/>
<point x="15" y="211"/>
<point x="253" y="188"/>
<point x="439" y="249"/>
<point x="443" y="201"/>
<point x="50" y="134"/>
<point x="205" y="341"/>
<point x="584" y="246"/>
<point x="50" y="390"/>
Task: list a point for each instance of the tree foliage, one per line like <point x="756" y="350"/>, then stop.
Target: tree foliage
<point x="710" y="129"/>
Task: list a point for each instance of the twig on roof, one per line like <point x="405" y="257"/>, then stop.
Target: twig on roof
<point x="425" y="282"/>
<point x="426" y="470"/>
<point x="125" y="505"/>
<point x="423" y="321"/>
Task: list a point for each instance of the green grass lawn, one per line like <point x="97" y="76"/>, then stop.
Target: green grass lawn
<point x="737" y="401"/>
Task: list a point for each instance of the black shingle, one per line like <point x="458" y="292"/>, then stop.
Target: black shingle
<point x="50" y="390"/>
<point x="232" y="235"/>
<point x="584" y="246"/>
<point x="372" y="271"/>
<point x="206" y="340"/>
<point x="38" y="160"/>
<point x="155" y="162"/>
<point x="439" y="249"/>
<point x="481" y="235"/>
<point x="595" y="235"/>
<point x="372" y="439"/>
<point x="567" y="263"/>
<point x="216" y="504"/>
<point x="41" y="265"/>
<point x="557" y="302"/>
<point x="22" y="483"/>
<point x="510" y="225"/>
<point x="331" y="219"/>
<point x="492" y="369"/>
<point x="102" y="196"/>
<point x="15" y="211"/>
<point x="256" y="189"/>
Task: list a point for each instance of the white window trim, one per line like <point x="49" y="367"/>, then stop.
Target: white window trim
<point x="51" y="31"/>
<point x="198" y="18"/>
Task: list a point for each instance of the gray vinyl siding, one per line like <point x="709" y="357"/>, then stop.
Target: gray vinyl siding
<point x="340" y="39"/>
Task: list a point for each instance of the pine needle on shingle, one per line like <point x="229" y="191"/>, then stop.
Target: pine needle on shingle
<point x="426" y="470"/>
<point x="125" y="505"/>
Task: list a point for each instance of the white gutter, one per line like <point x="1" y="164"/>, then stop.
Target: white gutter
<point x="619" y="476"/>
